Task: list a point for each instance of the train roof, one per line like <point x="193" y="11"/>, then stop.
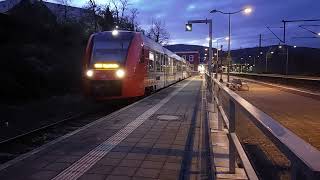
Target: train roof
<point x="159" y="48"/>
<point x="150" y="43"/>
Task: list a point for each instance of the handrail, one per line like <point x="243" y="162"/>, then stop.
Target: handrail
<point x="302" y="155"/>
<point x="279" y="76"/>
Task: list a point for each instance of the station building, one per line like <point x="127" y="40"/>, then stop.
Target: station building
<point x="192" y="56"/>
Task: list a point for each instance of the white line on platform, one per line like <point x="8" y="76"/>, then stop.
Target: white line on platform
<point x="78" y="168"/>
<point x="45" y="146"/>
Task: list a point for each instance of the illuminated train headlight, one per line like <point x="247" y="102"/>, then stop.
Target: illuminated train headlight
<point x="89" y="73"/>
<point x="120" y="73"/>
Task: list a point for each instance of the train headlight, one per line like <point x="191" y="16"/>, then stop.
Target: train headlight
<point x="120" y="73"/>
<point x="89" y="73"/>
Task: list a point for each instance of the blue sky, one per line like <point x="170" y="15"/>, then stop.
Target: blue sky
<point x="245" y="28"/>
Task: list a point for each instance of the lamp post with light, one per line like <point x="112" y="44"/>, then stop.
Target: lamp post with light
<point x="217" y="56"/>
<point x="246" y="11"/>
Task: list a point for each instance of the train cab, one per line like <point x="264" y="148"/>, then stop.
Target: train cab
<point x="125" y="64"/>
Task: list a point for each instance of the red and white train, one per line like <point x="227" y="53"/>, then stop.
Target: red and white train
<point x="125" y="64"/>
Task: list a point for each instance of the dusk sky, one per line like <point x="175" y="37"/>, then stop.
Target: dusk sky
<point x="245" y="28"/>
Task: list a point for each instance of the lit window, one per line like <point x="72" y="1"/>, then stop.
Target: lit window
<point x="151" y="56"/>
<point x="191" y="58"/>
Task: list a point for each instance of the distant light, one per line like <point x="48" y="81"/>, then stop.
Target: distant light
<point x="215" y="54"/>
<point x="294" y="46"/>
<point x="261" y="52"/>
<point x="272" y="52"/>
<point x="241" y="58"/>
<point x="106" y="66"/>
<point x="115" y="32"/>
<point x="206" y="49"/>
<point x="208" y="39"/>
<point x="205" y="54"/>
<point x="227" y="38"/>
<point x="117" y="27"/>
<point x="110" y="66"/>
<point x="89" y="73"/>
<point x="98" y="65"/>
<point x="319" y="34"/>
<point x="258" y="56"/>
<point x="247" y="10"/>
<point x="249" y="56"/>
<point x="188" y="27"/>
<point x="280" y="46"/>
<point x="120" y="73"/>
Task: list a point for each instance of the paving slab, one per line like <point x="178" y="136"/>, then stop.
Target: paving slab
<point x="147" y="140"/>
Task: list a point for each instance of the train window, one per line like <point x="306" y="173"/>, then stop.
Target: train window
<point x="179" y="66"/>
<point x="162" y="62"/>
<point x="158" y="62"/>
<point x="191" y="58"/>
<point x="107" y="48"/>
<point x="151" y="55"/>
<point x="142" y="56"/>
<point x="151" y="61"/>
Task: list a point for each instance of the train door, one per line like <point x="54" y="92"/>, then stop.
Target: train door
<point x="158" y="74"/>
<point x="174" y="70"/>
<point x="167" y="70"/>
<point x="151" y="70"/>
<point x="163" y="74"/>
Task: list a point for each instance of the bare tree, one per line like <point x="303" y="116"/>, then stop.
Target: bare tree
<point x="120" y="7"/>
<point x="66" y="5"/>
<point x="116" y="9"/>
<point x="158" y="32"/>
<point x="124" y="6"/>
<point x="133" y="17"/>
<point x="93" y="11"/>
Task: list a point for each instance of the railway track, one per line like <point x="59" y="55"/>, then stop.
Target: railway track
<point x="13" y="147"/>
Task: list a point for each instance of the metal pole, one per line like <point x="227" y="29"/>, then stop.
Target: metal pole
<point x="229" y="54"/>
<point x="287" y="61"/>
<point x="232" y="129"/>
<point x="284" y="32"/>
<point x="221" y="80"/>
<point x="266" y="62"/>
<point x="260" y="39"/>
<point x="254" y="63"/>
<point x="216" y="75"/>
<point x="210" y="47"/>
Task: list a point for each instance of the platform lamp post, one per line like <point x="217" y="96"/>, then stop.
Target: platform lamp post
<point x="204" y="21"/>
<point x="246" y="11"/>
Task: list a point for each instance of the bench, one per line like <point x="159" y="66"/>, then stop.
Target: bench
<point x="238" y="84"/>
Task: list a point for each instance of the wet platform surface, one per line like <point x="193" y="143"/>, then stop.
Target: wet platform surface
<point x="159" y="137"/>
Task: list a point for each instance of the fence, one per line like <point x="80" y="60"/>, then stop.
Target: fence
<point x="304" y="158"/>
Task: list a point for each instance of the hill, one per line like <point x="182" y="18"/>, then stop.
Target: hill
<point x="301" y="60"/>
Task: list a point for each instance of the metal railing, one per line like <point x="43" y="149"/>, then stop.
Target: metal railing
<point x="303" y="157"/>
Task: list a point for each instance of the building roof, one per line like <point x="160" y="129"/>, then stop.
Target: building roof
<point x="187" y="52"/>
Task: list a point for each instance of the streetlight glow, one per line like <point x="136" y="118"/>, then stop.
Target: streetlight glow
<point x="227" y="38"/>
<point x="115" y="32"/>
<point x="319" y="34"/>
<point x="294" y="46"/>
<point x="247" y="10"/>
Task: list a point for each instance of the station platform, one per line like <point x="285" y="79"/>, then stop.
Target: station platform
<point x="159" y="137"/>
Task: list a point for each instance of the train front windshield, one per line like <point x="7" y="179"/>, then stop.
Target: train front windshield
<point x="107" y="47"/>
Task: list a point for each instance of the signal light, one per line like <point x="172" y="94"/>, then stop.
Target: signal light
<point x="188" y="27"/>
